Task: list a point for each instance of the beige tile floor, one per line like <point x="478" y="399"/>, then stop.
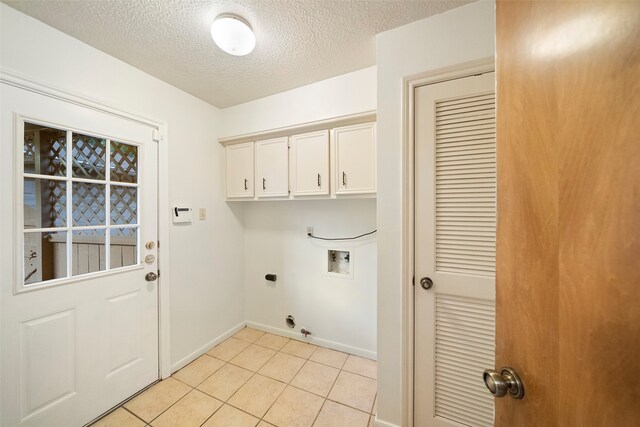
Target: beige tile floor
<point x="258" y="379"/>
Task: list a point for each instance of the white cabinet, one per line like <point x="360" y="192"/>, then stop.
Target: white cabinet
<point x="309" y="164"/>
<point x="354" y="159"/>
<point x="240" y="170"/>
<point x="317" y="164"/>
<point x="272" y="168"/>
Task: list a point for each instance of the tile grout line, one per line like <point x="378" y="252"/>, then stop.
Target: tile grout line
<point x="256" y="372"/>
<point x="344" y="404"/>
<point x="192" y="389"/>
<point x="324" y="402"/>
<point x="173" y="404"/>
<point x="286" y="384"/>
<point x="122" y="406"/>
<point x="325" y="398"/>
<point x="225" y="402"/>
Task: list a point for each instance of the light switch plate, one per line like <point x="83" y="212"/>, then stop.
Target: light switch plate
<point x="203" y="214"/>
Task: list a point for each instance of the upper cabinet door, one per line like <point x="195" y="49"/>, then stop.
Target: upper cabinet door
<point x="310" y="164"/>
<point x="272" y="168"/>
<point x="240" y="170"/>
<point x="355" y="159"/>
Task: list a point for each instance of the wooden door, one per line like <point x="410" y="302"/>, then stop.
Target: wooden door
<point x="355" y="159"/>
<point x="455" y="216"/>
<point x="272" y="168"/>
<point x="310" y="164"/>
<point x="240" y="170"/>
<point x="568" y="236"/>
<point x="81" y="335"/>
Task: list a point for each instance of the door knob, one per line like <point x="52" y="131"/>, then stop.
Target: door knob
<point x="426" y="283"/>
<point x="507" y="380"/>
<point x="151" y="277"/>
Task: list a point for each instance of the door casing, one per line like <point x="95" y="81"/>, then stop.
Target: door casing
<point x="11" y="78"/>
<point x="409" y="83"/>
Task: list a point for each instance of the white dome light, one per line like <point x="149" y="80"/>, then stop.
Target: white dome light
<point x="233" y="35"/>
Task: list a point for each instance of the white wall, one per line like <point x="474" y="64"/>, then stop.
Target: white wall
<point x="346" y="94"/>
<point x="460" y="35"/>
<point x="206" y="259"/>
<point x="340" y="312"/>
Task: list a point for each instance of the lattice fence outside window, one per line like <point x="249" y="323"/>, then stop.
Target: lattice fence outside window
<point x="67" y="231"/>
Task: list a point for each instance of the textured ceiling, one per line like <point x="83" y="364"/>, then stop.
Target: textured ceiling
<point x="298" y="41"/>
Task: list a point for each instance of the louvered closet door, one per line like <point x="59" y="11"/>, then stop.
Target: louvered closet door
<point x="455" y="220"/>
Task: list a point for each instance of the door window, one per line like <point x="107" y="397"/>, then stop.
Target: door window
<point x="83" y="218"/>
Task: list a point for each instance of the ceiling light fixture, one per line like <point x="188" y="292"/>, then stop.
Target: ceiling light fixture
<point x="233" y="35"/>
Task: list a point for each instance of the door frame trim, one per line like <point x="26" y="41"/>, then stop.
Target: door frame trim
<point x="22" y="81"/>
<point x="409" y="84"/>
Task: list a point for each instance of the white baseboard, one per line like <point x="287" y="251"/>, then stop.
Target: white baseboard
<point x="380" y="423"/>
<point x="202" y="350"/>
<point x="315" y="340"/>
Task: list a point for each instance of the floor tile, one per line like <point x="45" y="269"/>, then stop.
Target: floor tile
<point x="354" y="390"/>
<point x="257" y="395"/>
<point x="248" y="334"/>
<point x="198" y="370"/>
<point x="375" y="406"/>
<point x="157" y="399"/>
<point x="361" y="366"/>
<point x="228" y="416"/>
<point x="253" y="357"/>
<point x="119" y="418"/>
<point x="265" y="424"/>
<point x="190" y="411"/>
<point x="297" y="348"/>
<point x="274" y="342"/>
<point x="294" y="408"/>
<point x="316" y="378"/>
<point x="337" y="415"/>
<point x="228" y="349"/>
<point x="226" y="381"/>
<point x="282" y="367"/>
<point x="372" y="421"/>
<point x="329" y="357"/>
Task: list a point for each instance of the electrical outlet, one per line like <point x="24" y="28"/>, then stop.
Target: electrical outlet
<point x="203" y="214"/>
<point x="309" y="231"/>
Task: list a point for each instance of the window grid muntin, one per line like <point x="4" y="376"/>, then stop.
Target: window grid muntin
<point x="69" y="228"/>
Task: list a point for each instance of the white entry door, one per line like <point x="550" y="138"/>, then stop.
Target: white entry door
<point x="79" y="202"/>
<point x="455" y="222"/>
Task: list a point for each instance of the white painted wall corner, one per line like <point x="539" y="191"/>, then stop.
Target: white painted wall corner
<point x="202" y="350"/>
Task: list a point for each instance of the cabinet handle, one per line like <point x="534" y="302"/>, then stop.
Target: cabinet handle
<point x="319" y="185"/>
<point x="344" y="179"/>
<point x="264" y="183"/>
<point x="245" y="184"/>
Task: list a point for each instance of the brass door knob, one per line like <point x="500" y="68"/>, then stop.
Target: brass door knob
<point x="151" y="277"/>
